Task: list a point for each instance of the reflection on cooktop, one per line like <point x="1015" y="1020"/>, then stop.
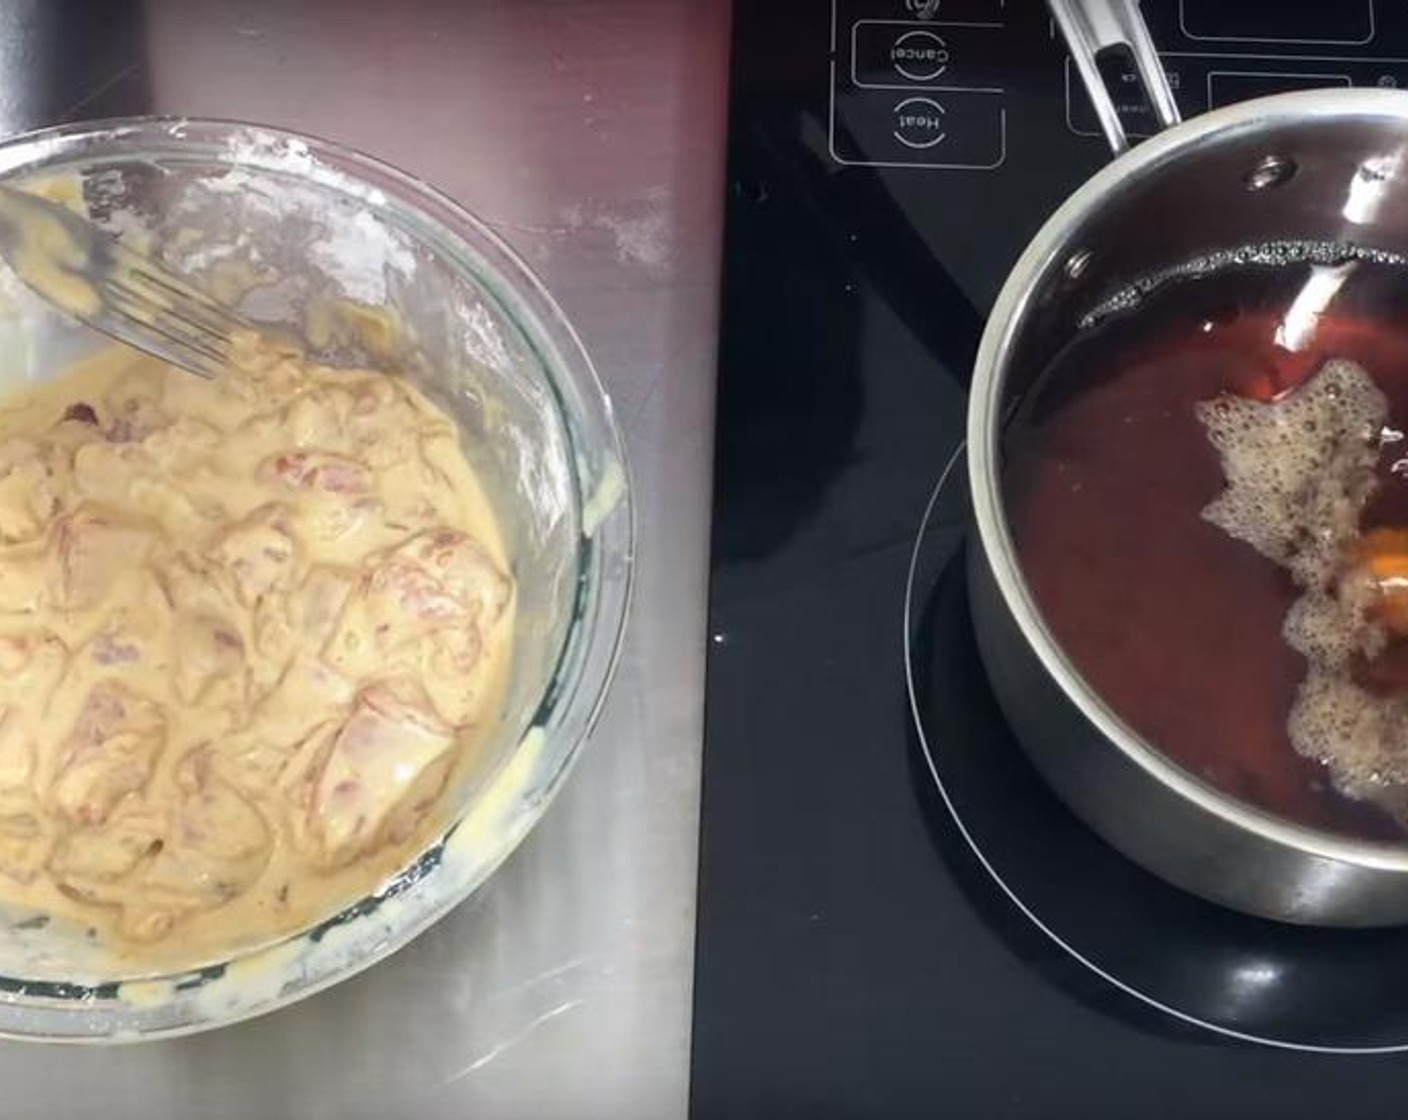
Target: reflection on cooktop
<point x="1160" y="959"/>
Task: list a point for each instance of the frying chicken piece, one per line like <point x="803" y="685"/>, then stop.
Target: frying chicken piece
<point x="110" y="753"/>
<point x="377" y="775"/>
<point x="1380" y="562"/>
<point x="260" y="553"/>
<point x="95" y="550"/>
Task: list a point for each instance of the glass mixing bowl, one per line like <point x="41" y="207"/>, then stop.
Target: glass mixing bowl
<point x="315" y="240"/>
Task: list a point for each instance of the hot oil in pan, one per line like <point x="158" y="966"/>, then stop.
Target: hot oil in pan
<point x="1107" y="470"/>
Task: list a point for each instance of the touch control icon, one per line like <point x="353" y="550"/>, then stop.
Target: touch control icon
<point x="920" y="56"/>
<point x="919" y="122"/>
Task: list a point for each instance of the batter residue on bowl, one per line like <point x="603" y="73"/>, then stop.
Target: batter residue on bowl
<point x="249" y="629"/>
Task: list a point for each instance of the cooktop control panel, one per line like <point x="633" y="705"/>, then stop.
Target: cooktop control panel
<point x="928" y="83"/>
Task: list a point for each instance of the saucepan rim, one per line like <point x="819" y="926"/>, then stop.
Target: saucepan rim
<point x="1052" y="246"/>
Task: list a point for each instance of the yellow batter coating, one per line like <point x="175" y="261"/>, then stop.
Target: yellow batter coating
<point x="249" y="630"/>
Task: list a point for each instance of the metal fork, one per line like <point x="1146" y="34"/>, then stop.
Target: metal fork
<point x="86" y="273"/>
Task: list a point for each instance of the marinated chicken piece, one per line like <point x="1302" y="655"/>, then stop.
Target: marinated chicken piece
<point x="26" y="838"/>
<point x="335" y="502"/>
<point x="128" y="474"/>
<point x="90" y="862"/>
<point x="308" y="694"/>
<point x="379" y="772"/>
<point x="98" y="866"/>
<point x="318" y="470"/>
<point x="210" y="664"/>
<point x="94" y="550"/>
<point x="464" y="570"/>
<point x="450" y="673"/>
<point x="110" y="753"/>
<point x="136" y="634"/>
<point x="16" y="753"/>
<point x="196" y="587"/>
<point x="209" y="850"/>
<point x="424" y="610"/>
<point x="309" y="700"/>
<point x="215" y="846"/>
<point x="439" y="452"/>
<point x="301" y="618"/>
<point x="164" y="457"/>
<point x="182" y="444"/>
<point x="317" y="605"/>
<point x="133" y="410"/>
<point x="31" y="481"/>
<point x="25" y="572"/>
<point x="104" y="471"/>
<point x="314" y="419"/>
<point x="259" y="552"/>
<point x="339" y="525"/>
<point x="31" y="664"/>
<point x="384" y="424"/>
<point x="436" y="581"/>
<point x="113" y="647"/>
<point x="269" y="374"/>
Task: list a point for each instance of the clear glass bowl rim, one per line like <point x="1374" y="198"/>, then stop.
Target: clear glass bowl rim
<point x="606" y="551"/>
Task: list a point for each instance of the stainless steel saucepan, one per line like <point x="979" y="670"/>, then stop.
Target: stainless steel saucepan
<point x="1324" y="165"/>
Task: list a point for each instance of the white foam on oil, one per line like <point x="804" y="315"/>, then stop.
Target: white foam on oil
<point x="1299" y="471"/>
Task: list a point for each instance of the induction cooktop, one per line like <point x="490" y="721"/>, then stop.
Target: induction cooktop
<point x="896" y="918"/>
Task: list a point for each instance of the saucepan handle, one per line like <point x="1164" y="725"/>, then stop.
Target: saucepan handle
<point x="1089" y="27"/>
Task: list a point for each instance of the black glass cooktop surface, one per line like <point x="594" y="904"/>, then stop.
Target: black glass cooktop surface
<point x="857" y="955"/>
<point x="1234" y="975"/>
